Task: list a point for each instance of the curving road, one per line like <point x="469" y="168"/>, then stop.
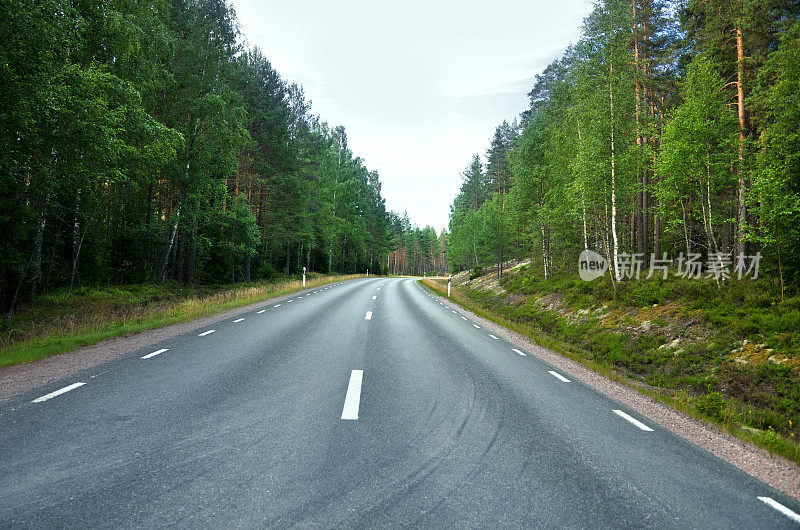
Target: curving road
<point x="366" y="403"/>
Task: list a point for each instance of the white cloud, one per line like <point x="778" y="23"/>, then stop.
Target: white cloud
<point x="418" y="85"/>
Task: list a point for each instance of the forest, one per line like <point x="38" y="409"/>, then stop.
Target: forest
<point x="670" y="129"/>
<point x="145" y="141"/>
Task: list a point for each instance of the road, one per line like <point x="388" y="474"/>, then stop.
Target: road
<point x="367" y="403"/>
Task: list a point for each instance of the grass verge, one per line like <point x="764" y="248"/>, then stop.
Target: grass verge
<point x="56" y="323"/>
<point x="693" y="389"/>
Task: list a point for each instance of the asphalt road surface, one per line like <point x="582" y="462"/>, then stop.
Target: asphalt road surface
<point x="364" y="404"/>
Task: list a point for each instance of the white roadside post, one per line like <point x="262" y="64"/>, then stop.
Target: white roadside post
<point x="304" y="276"/>
<point x="449" y="281"/>
<point x="367" y="273"/>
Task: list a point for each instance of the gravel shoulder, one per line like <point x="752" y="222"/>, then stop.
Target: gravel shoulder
<point x="773" y="470"/>
<point x="21" y="378"/>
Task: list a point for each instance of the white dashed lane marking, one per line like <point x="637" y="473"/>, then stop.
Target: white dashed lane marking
<point x="519" y="352"/>
<point x="558" y="376"/>
<point x="353" y="397"/>
<point x="769" y="501"/>
<point x="633" y="420"/>
<point x="157" y="352"/>
<point x="51" y="395"/>
<point x="209" y="332"/>
<point x="368" y="315"/>
<point x="238" y="320"/>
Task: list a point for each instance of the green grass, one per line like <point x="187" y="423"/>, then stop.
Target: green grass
<point x="56" y="323"/>
<point x="759" y="402"/>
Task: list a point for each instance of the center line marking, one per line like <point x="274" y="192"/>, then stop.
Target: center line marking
<point x="64" y="390"/>
<point x="495" y="338"/>
<point x="238" y="320"/>
<point x="209" y="332"/>
<point x="558" y="376"/>
<point x="781" y="508"/>
<point x="519" y="352"/>
<point x="369" y="316"/>
<point x="157" y="352"/>
<point x="353" y="397"/>
<point x="633" y="420"/>
<point x="259" y="312"/>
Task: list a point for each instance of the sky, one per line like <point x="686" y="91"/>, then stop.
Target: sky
<point x="418" y="85"/>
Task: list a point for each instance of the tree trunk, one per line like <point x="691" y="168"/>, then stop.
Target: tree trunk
<point x="613" y="164"/>
<point x="34" y="262"/>
<point x="76" y="241"/>
<point x="192" y="254"/>
<point x="162" y="270"/>
<point x="179" y="251"/>
<point x="741" y="213"/>
<point x="640" y="227"/>
<point x="147" y="216"/>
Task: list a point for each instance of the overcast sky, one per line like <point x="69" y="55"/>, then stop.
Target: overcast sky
<point x="418" y="85"/>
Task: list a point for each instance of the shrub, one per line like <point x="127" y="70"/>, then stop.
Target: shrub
<point x="711" y="405"/>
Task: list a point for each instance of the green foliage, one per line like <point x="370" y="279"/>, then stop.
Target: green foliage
<point x="697" y="156"/>
<point x="139" y="141"/>
<point x="632" y="143"/>
<point x="711" y="404"/>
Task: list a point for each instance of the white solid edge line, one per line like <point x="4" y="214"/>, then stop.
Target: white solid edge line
<point x="781" y="508"/>
<point x="353" y="397"/>
<point x="259" y="312"/>
<point x="368" y="315"/>
<point x="209" y="332"/>
<point x="238" y="320"/>
<point x="495" y="338"/>
<point x="64" y="390"/>
<point x="157" y="352"/>
<point x="559" y="376"/>
<point x="519" y="352"/>
<point x="633" y="420"/>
